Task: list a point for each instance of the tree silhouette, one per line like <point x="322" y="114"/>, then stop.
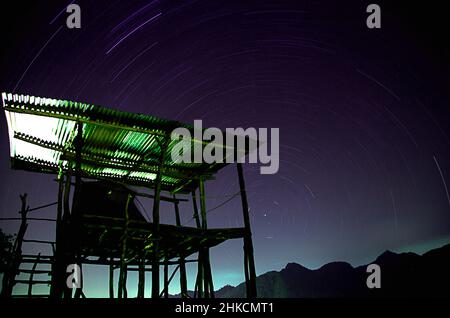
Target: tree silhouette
<point x="6" y="242"/>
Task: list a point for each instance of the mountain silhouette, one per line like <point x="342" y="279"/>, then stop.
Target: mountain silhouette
<point x="403" y="275"/>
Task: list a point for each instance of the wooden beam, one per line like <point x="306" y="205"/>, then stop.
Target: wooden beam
<point x="156" y="203"/>
<point x="123" y="265"/>
<point x="141" y="278"/>
<point x="196" y="216"/>
<point x="248" y="245"/>
<point x="166" y="277"/>
<point x="183" y="276"/>
<point x="205" y="262"/>
<point x="111" y="277"/>
<point x="57" y="276"/>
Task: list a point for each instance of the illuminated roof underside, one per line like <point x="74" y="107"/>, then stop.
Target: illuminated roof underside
<point x="117" y="146"/>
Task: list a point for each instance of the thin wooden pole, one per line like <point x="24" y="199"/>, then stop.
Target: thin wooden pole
<point x="66" y="199"/>
<point x="155" y="256"/>
<point x="248" y="245"/>
<point x="166" y="276"/>
<point x="123" y="266"/>
<point x="79" y="291"/>
<point x="30" y="286"/>
<point x="199" y="281"/>
<point x="156" y="238"/>
<point x="125" y="276"/>
<point x="203" y="204"/>
<point x="207" y="276"/>
<point x="170" y="279"/>
<point x="247" y="276"/>
<point x="70" y="237"/>
<point x="204" y="283"/>
<point x="141" y="283"/>
<point x="194" y="202"/>
<point x="111" y="277"/>
<point x="183" y="276"/>
<point x="57" y="274"/>
<point x="78" y="157"/>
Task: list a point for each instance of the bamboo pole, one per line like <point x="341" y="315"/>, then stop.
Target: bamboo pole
<point x="156" y="238"/>
<point x="122" y="274"/>
<point x="57" y="276"/>
<point x="183" y="276"/>
<point x="166" y="276"/>
<point x="248" y="245"/>
<point x="79" y="290"/>
<point x="71" y="225"/>
<point x="247" y="276"/>
<point x="196" y="217"/>
<point x="141" y="278"/>
<point x="33" y="269"/>
<point x="125" y="275"/>
<point x="199" y="280"/>
<point x="170" y="279"/>
<point x="111" y="278"/>
<point x="207" y="276"/>
<point x="210" y="278"/>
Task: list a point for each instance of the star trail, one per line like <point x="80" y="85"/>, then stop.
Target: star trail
<point x="363" y="115"/>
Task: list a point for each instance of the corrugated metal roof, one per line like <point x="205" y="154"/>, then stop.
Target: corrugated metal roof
<point x="117" y="145"/>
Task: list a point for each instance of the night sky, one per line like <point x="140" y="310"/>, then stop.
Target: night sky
<point x="363" y="114"/>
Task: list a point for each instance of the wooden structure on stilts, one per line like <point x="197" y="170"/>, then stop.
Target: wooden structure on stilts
<point x="103" y="159"/>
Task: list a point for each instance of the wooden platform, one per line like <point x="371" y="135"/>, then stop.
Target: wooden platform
<point x="102" y="236"/>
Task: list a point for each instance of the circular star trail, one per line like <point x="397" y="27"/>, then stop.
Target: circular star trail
<point x="363" y="114"/>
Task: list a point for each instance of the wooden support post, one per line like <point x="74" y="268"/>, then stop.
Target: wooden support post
<point x="247" y="276"/>
<point x="56" y="286"/>
<point x="204" y="225"/>
<point x="208" y="273"/>
<point x="79" y="291"/>
<point x="248" y="245"/>
<point x="196" y="287"/>
<point x="78" y="157"/>
<point x="141" y="278"/>
<point x="199" y="281"/>
<point x="183" y="276"/>
<point x="207" y="276"/>
<point x="156" y="238"/>
<point x="166" y="275"/>
<point x="155" y="256"/>
<point x="203" y="204"/>
<point x="196" y="217"/>
<point x="125" y="276"/>
<point x="71" y="225"/>
<point x="200" y="277"/>
<point x="30" y="285"/>
<point x="169" y="280"/>
<point x="111" y="277"/>
<point x="66" y="199"/>
<point x="122" y="292"/>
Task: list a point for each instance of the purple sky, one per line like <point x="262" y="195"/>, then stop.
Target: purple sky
<point x="363" y="114"/>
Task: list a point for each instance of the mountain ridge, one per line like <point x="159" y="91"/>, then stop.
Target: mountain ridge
<point x="402" y="275"/>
